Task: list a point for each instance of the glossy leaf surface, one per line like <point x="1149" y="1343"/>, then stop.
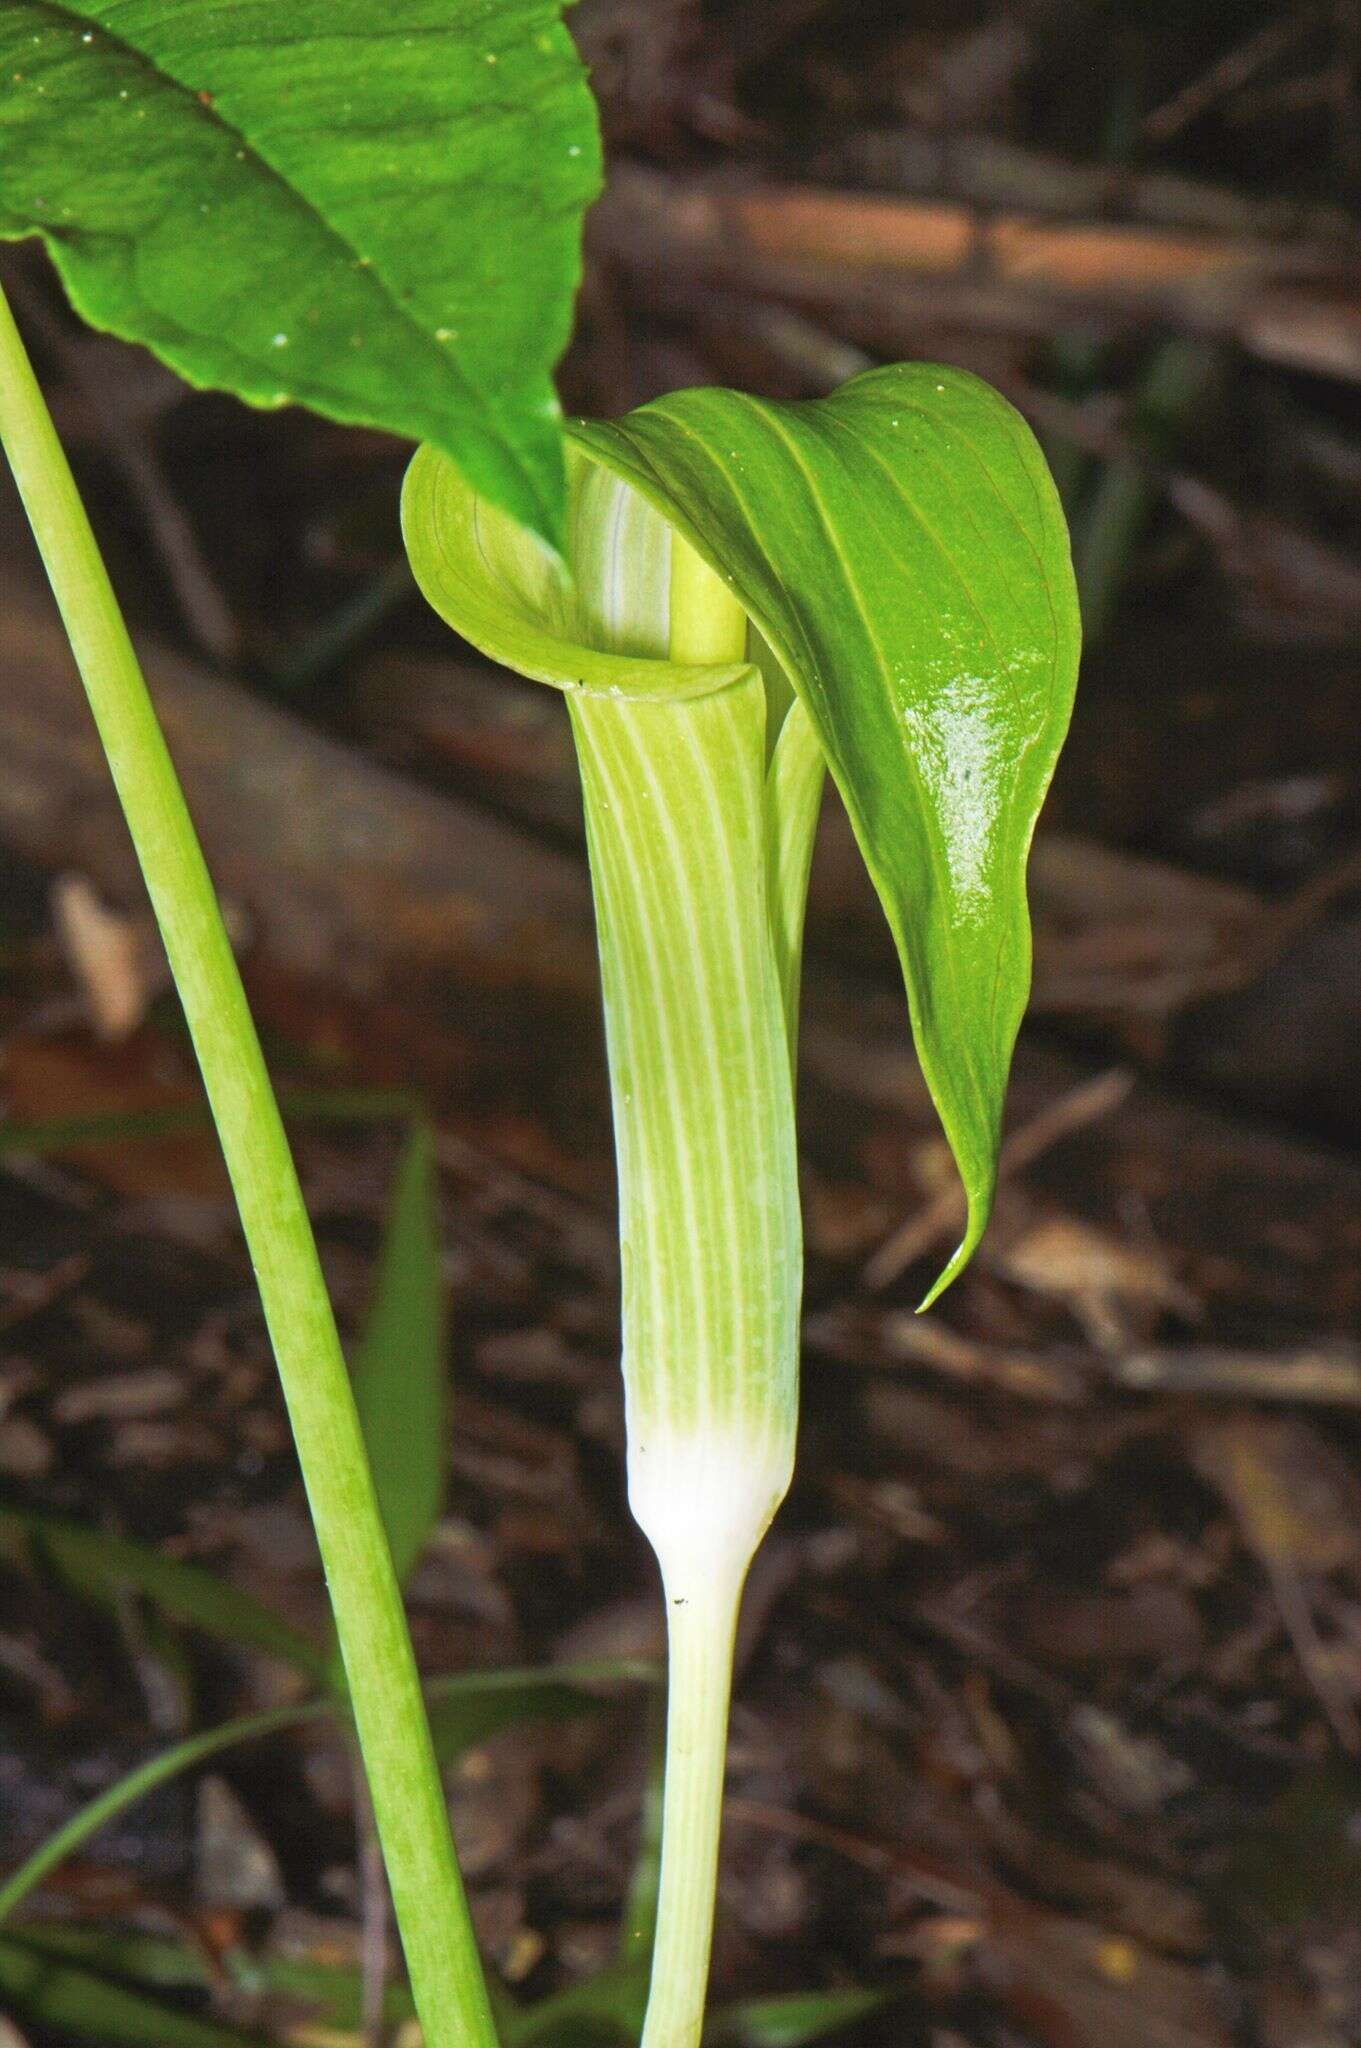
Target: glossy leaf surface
<point x="370" y="207"/>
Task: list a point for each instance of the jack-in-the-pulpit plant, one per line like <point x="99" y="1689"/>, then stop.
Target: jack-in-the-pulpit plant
<point x="373" y="208"/>
<point x="877" y="583"/>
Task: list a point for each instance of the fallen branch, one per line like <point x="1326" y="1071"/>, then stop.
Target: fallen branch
<point x="1291" y="303"/>
<point x="353" y="877"/>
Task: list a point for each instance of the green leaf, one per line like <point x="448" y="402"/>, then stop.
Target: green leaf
<point x="597" y="620"/>
<point x="61" y="1996"/>
<point x="901" y="548"/>
<point x="471" y="1708"/>
<point x="792" y="2020"/>
<point x="604" y="2009"/>
<point x="608" y="2008"/>
<point x="370" y="207"/>
<point x="158" y="1963"/>
<point x="464" y="1710"/>
<point x="901" y="553"/>
<point x="136" y="1784"/>
<point x="399" y="1367"/>
<point x="100" y="1565"/>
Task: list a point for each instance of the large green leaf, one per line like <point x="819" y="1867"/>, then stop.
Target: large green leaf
<point x="901" y="552"/>
<point x="371" y="207"/>
<point x="399" y="1367"/>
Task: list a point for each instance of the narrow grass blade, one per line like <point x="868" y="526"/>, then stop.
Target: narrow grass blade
<point x="68" y="2000"/>
<point x="137" y="1784"/>
<point x="40" y="1136"/>
<point x="100" y="1565"/>
<point x="463" y="1710"/>
<point x="470" y="1709"/>
<point x="151" y="1962"/>
<point x="791" y="2021"/>
<point x="399" y="1367"/>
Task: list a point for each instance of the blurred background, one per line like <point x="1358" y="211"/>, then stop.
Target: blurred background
<point x="1049" y="1716"/>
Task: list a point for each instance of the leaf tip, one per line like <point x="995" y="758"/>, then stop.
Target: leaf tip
<point x="980" y="1209"/>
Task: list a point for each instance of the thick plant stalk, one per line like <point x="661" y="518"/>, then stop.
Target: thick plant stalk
<point x="709" y="1223"/>
<point x="384" y="1690"/>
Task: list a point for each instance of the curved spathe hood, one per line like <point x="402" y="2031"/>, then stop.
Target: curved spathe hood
<point x="901" y="550"/>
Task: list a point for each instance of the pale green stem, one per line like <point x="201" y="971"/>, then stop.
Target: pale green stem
<point x="394" y="1733"/>
<point x="700" y="1633"/>
<point x="702" y="1577"/>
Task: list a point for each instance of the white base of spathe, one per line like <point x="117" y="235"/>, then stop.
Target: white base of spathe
<point x="704" y="1502"/>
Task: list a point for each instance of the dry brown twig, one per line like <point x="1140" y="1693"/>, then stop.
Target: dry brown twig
<point x="1291" y="303"/>
<point x="1229" y="73"/>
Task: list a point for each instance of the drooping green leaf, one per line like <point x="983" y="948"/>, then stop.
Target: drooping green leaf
<point x="68" y="2000"/>
<point x="370" y="207"/>
<point x="902" y="549"/>
<point x="100" y="1565"/>
<point x="399" y="1367"/>
<point x="901" y="553"/>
